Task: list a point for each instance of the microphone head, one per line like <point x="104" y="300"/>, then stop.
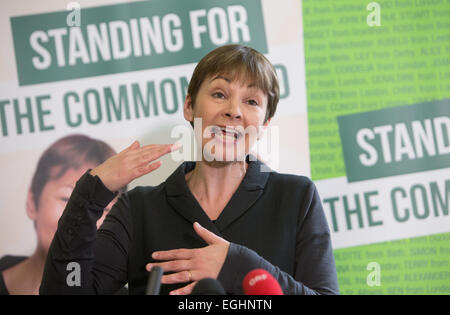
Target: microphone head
<point x="260" y="282"/>
<point x="208" y="286"/>
<point x="154" y="281"/>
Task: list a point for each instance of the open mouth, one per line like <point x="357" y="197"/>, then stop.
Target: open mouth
<point x="226" y="134"/>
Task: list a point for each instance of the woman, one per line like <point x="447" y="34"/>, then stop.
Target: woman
<point x="218" y="218"/>
<point x="58" y="169"/>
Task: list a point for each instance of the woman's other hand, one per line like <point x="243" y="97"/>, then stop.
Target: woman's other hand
<point x="192" y="264"/>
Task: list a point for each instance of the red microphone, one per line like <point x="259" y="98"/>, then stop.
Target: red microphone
<point x="260" y="282"/>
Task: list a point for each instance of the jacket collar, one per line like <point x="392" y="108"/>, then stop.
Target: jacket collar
<point x="183" y="201"/>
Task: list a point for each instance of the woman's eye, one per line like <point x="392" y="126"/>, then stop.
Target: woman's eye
<point x="218" y="95"/>
<point x="252" y="102"/>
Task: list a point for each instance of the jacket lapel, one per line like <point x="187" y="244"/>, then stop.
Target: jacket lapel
<point x="183" y="201"/>
<point x="248" y="192"/>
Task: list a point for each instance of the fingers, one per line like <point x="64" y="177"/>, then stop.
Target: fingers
<point x="135" y="145"/>
<point x="133" y="162"/>
<point x="163" y="147"/>
<point x="152" y="152"/>
<point x="184" y="290"/>
<point x="141" y="157"/>
<point x="206" y="235"/>
<point x="184" y="276"/>
<point x="171" y="266"/>
<point x="186" y="265"/>
<point x="174" y="254"/>
<point x="158" y="148"/>
<point x="148" y="168"/>
<point x="178" y="261"/>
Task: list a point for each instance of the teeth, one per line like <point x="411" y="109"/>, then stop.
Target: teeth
<point x="227" y="134"/>
<point x="230" y="137"/>
<point x="233" y="132"/>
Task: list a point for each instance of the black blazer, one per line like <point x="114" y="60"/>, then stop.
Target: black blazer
<point x="273" y="221"/>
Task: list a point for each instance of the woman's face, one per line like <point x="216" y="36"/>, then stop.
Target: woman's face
<point x="52" y="202"/>
<point x="232" y="114"/>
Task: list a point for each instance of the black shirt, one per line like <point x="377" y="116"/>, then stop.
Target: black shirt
<point x="5" y="263"/>
<point x="273" y="221"/>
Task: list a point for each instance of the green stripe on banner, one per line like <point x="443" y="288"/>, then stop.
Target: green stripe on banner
<point x="395" y="141"/>
<point x="131" y="36"/>
<point x="419" y="265"/>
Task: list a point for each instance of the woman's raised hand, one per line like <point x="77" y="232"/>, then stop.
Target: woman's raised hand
<point x="133" y="162"/>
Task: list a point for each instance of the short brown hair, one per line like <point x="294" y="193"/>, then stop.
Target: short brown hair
<point x="239" y="62"/>
<point x="69" y="152"/>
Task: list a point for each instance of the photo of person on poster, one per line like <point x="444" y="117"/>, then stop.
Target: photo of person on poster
<point x="57" y="171"/>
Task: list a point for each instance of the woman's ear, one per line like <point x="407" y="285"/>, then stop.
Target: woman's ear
<point x="31" y="206"/>
<point x="188" y="109"/>
<point x="267" y="122"/>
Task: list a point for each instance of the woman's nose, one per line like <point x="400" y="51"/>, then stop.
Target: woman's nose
<point x="233" y="110"/>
